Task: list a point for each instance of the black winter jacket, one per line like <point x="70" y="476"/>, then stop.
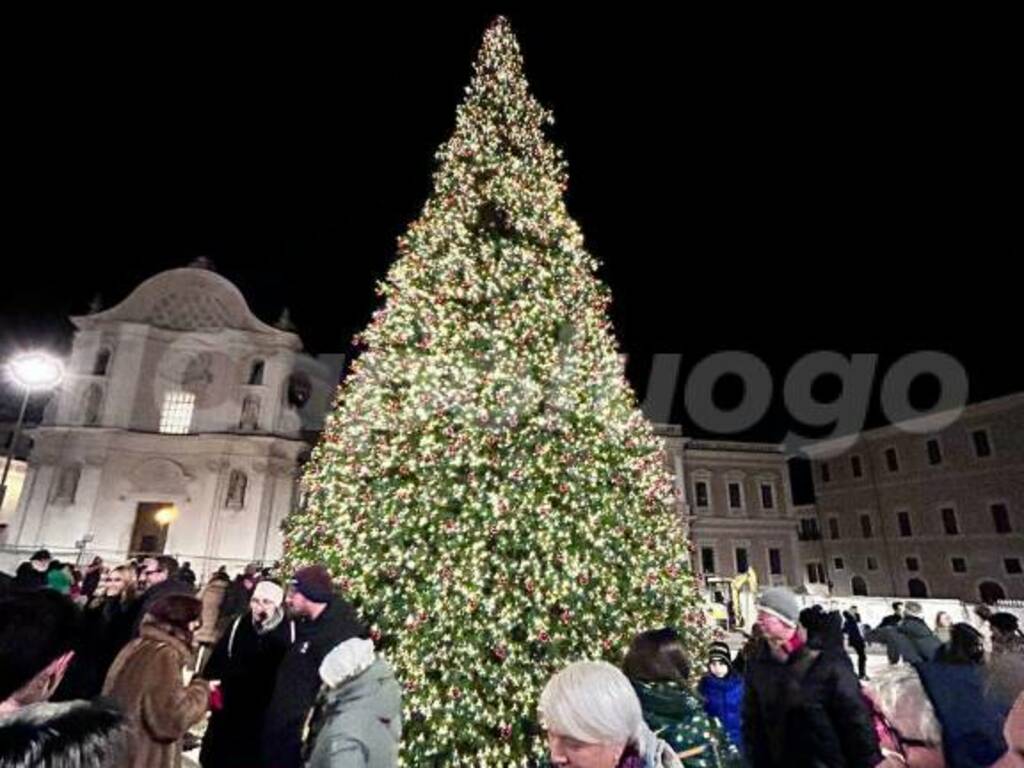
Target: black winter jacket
<point x="806" y="713"/>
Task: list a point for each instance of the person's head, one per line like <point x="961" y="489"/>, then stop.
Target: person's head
<point x="38" y="631"/>
<point x="54" y="566"/>
<point x="591" y="714"/>
<point x="1005" y="628"/>
<point x="182" y="612"/>
<point x="121" y="583"/>
<point x="265" y="602"/>
<point x="853" y="609"/>
<point x="156" y="570"/>
<point x="657" y="657"/>
<point x="943" y="619"/>
<point x="778" y="614"/>
<point x="965" y="646"/>
<point x="187" y="566"/>
<point x="40" y="559"/>
<point x="310" y="591"/>
<point x="97" y="562"/>
<point x="913" y="610"/>
<point x="719" y="660"/>
<point x="897" y="608"/>
<point x="74" y="734"/>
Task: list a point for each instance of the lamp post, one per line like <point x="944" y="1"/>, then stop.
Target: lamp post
<point x="32" y="371"/>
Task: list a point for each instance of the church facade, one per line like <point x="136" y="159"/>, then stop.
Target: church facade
<point x="180" y="428"/>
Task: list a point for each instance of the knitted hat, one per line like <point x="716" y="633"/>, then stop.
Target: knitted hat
<point x="780" y="603"/>
<point x="719" y="651"/>
<point x="314" y="583"/>
<point x="268" y="590"/>
<point x="913" y="609"/>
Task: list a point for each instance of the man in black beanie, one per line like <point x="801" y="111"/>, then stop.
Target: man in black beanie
<point x="322" y="620"/>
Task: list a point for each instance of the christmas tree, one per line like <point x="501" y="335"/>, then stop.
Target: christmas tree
<point x="486" y="490"/>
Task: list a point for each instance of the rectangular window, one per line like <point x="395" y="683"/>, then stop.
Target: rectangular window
<point x="872" y="564"/>
<point x="949" y="524"/>
<point x="775" y="561"/>
<point x="809" y="529"/>
<point x="982" y="444"/>
<point x="707" y="559"/>
<point x="892" y="461"/>
<point x="913" y="564"/>
<point x="735" y="496"/>
<point x="858" y="471"/>
<point x="1012" y="566"/>
<point x="865" y="526"/>
<point x="767" y="496"/>
<point x="839" y="564"/>
<point x="826" y="475"/>
<point x="742" y="563"/>
<point x="934" y="452"/>
<point x="959" y="565"/>
<point x="176" y="414"/>
<point x="1001" y="518"/>
<point x="904" y="523"/>
<point x="812" y="573"/>
<point x="833" y="527"/>
<point x="701" y="493"/>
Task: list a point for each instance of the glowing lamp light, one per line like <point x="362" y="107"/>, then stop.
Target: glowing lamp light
<point x="166" y="515"/>
<point x="36" y="370"/>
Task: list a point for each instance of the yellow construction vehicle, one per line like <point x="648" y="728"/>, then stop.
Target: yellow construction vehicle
<point x="732" y="600"/>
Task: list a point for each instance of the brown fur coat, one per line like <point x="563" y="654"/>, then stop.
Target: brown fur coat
<point x="146" y="681"/>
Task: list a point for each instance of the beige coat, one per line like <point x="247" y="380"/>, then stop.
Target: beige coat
<point x="146" y="681"/>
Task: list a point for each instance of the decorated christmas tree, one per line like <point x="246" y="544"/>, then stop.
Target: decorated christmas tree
<point x="486" y="490"/>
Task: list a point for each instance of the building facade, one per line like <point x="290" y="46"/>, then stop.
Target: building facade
<point x="736" y="498"/>
<point x="180" y="427"/>
<point x="925" y="508"/>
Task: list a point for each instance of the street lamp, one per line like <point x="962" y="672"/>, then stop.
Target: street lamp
<point x="32" y="371"/>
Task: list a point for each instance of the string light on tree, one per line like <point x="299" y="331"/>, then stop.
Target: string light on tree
<point x="486" y="485"/>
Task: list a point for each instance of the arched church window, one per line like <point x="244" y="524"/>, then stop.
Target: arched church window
<point x="256" y="373"/>
<point x="92" y="403"/>
<point x="300" y="389"/>
<point x="237" y="483"/>
<point x="250" y="413"/>
<point x="102" y="363"/>
<point x="67" y="484"/>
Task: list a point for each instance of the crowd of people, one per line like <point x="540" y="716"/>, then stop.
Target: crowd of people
<point x="118" y="669"/>
<point x="284" y="674"/>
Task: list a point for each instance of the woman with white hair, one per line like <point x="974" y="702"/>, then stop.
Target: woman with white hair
<point x="593" y="720"/>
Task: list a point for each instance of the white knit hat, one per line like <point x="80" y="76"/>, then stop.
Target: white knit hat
<point x="268" y="590"/>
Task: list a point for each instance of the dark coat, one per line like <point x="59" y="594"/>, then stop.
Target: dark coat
<point x="806" y="713"/>
<point x="298" y="682"/>
<point x="106" y="629"/>
<point x="677" y="716"/>
<point x="972" y="725"/>
<point x="246" y="662"/>
<point x="921" y="642"/>
<point x="723" y="699"/>
<point x="146" y="682"/>
<point x="851" y="628"/>
<point x="28" y="577"/>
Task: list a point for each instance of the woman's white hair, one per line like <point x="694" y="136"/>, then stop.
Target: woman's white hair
<point x="593" y="702"/>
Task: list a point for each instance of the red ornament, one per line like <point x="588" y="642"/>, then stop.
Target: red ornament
<point x="505" y="732"/>
<point x="500" y="652"/>
<point x="543" y="636"/>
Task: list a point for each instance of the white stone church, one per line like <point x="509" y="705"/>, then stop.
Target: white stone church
<point x="180" y="428"/>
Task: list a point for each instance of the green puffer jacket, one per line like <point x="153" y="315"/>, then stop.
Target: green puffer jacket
<point x="677" y="716"/>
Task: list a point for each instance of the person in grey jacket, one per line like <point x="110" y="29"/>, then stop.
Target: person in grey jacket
<point x="921" y="641"/>
<point x="357" y="721"/>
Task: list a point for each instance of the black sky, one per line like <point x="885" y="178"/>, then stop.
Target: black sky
<point x="746" y="187"/>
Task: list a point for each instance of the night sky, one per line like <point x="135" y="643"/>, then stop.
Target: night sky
<point x="771" y="191"/>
